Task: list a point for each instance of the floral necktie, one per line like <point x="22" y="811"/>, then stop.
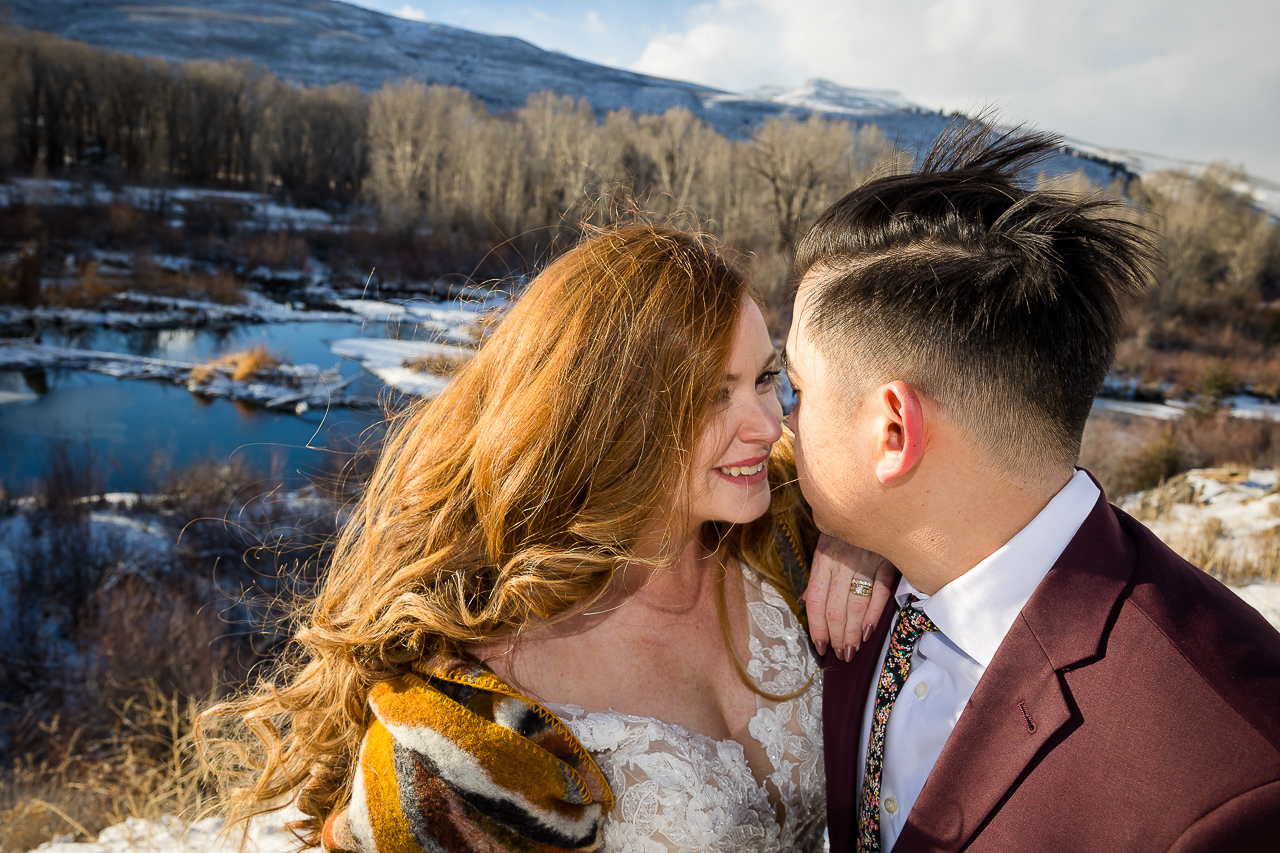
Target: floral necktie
<point x="897" y="664"/>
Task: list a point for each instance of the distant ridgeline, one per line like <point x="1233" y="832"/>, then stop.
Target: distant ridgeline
<point x="456" y="144"/>
<point x="323" y="43"/>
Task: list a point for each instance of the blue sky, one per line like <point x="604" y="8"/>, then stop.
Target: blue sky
<point x="1183" y="78"/>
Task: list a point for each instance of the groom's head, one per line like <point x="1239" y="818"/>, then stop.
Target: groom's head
<point x="955" y="305"/>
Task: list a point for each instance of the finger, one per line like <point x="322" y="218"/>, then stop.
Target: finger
<point x="837" y="608"/>
<point x="886" y="580"/>
<point x="857" y="607"/>
<point x="815" y="602"/>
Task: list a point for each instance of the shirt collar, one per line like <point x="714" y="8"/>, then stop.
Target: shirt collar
<point x="977" y="609"/>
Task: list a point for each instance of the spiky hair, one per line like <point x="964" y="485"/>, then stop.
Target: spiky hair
<point x="1001" y="302"/>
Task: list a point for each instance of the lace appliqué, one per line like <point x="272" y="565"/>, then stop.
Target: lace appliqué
<point x="677" y="790"/>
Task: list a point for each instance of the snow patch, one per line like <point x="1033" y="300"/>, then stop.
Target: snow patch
<point x="824" y="96"/>
<point x="144" y="311"/>
<point x="386" y="359"/>
<point x="454" y="321"/>
<point x="169" y="834"/>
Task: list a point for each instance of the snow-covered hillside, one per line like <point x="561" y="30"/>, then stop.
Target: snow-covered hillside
<point x="323" y="42"/>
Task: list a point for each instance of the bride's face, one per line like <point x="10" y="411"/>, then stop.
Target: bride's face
<point x="729" y="478"/>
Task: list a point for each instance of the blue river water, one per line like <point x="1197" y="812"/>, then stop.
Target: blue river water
<point x="128" y="433"/>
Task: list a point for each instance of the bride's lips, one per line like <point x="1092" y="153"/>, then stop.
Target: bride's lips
<point x="751" y="472"/>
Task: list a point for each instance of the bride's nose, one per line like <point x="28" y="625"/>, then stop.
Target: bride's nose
<point x="762" y="425"/>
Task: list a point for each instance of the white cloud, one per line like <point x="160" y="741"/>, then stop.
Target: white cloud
<point x="594" y="24"/>
<point x="1176" y="77"/>
<point x="410" y="13"/>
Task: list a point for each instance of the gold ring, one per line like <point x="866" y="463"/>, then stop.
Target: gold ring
<point x="860" y="586"/>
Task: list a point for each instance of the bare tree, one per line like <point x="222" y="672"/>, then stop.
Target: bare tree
<point x="408" y="134"/>
<point x="679" y="143"/>
<point x="798" y="161"/>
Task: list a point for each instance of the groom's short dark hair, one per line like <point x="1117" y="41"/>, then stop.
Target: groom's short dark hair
<point x="1000" y="302"/>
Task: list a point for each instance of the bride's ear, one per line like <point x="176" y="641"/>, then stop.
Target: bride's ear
<point x="900" y="430"/>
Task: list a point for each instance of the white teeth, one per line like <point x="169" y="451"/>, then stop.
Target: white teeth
<point x="738" y="471"/>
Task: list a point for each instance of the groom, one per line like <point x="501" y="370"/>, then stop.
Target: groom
<point x="1052" y="677"/>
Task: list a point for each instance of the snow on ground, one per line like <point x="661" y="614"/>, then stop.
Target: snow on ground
<point x="453" y="321"/>
<point x="1231" y="514"/>
<point x="15" y="397"/>
<point x="267" y="834"/>
<point x="1163" y="411"/>
<point x="1264" y="597"/>
<point x="254" y="210"/>
<point x="824" y="96"/>
<point x="1241" y="406"/>
<point x="143" y="311"/>
<point x="386" y="359"/>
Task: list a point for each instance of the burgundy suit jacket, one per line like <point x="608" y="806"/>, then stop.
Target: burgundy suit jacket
<point x="1134" y="705"/>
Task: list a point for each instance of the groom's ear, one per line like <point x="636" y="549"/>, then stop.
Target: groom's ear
<point x="900" y="430"/>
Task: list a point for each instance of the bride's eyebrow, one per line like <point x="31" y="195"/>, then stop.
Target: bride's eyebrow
<point x="733" y="377"/>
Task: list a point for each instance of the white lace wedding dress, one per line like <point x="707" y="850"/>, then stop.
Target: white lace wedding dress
<point x="677" y="790"/>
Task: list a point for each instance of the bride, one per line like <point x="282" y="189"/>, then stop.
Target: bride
<point x="563" y="614"/>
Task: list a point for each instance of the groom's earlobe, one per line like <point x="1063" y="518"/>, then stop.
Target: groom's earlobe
<point x="902" y="431"/>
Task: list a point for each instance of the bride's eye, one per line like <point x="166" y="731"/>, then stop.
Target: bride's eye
<point x="722" y="396"/>
<point x="769" y="380"/>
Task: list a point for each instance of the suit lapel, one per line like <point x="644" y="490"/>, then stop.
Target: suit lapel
<point x="1021" y="703"/>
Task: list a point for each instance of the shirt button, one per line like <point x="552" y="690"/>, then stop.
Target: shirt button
<point x="890" y="805"/>
<point x="922" y="689"/>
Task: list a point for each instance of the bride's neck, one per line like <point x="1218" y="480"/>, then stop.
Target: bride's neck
<point x="668" y="578"/>
<point x="659" y="581"/>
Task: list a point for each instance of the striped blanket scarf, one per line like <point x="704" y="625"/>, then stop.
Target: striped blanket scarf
<point x="457" y="760"/>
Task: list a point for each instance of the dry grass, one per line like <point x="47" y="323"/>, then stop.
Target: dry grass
<point x="100" y="685"/>
<point x="1232" y="556"/>
<point x="438" y="364"/>
<point x="276" y="250"/>
<point x="1129" y="454"/>
<point x="240" y="366"/>
<point x="220" y="286"/>
<point x="1183" y="374"/>
<point x="145" y="767"/>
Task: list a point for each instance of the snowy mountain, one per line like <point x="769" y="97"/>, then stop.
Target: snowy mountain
<point x="321" y="42"/>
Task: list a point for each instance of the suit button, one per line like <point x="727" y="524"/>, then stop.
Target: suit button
<point x="922" y="689"/>
<point x="890" y="805"/>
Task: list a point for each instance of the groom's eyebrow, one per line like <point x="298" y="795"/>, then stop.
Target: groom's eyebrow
<point x="786" y="363"/>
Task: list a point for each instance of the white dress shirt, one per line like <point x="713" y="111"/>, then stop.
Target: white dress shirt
<point x="972" y="613"/>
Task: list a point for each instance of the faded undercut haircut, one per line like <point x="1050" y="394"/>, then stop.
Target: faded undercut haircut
<point x="999" y="302"/>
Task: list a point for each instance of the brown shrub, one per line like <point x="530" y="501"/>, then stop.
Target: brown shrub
<point x="240" y="366"/>
<point x="277" y="250"/>
<point x="1219" y="439"/>
<point x="439" y="364"/>
<point x="124" y="221"/>
<point x="1129" y="453"/>
<point x="1217" y="371"/>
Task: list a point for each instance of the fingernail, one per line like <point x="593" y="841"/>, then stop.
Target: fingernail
<point x="848" y="653"/>
<point x="822" y="647"/>
<point x="839" y="653"/>
<point x="866" y="632"/>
